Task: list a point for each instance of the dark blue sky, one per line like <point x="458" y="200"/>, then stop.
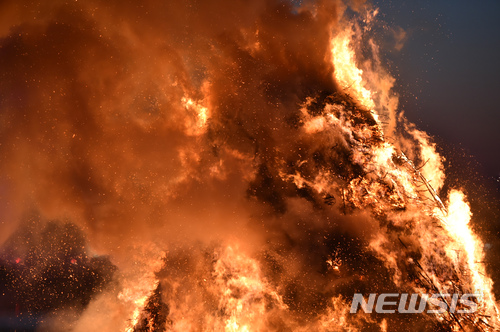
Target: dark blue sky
<point x="448" y="72"/>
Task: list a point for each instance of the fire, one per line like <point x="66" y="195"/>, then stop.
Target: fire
<point x="347" y="73"/>
<point x="465" y="242"/>
<point x="460" y="238"/>
<point x="432" y="169"/>
<point x="232" y="284"/>
<point x="141" y="281"/>
<point x="256" y="180"/>
<point x="245" y="277"/>
<point x="197" y="126"/>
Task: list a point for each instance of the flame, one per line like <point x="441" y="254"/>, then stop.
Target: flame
<point x="234" y="285"/>
<point x="347" y="73"/>
<point x="464" y="242"/>
<point x="195" y="126"/>
<point x="395" y="184"/>
<point x="432" y="169"/>
<point x="140" y="281"/>
<point x="235" y="272"/>
<point x="459" y="238"/>
<point x="337" y="318"/>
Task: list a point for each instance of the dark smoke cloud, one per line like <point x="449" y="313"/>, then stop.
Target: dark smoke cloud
<point x="46" y="270"/>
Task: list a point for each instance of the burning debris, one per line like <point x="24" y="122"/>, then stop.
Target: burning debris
<point x="46" y="271"/>
<point x="239" y="167"/>
<point x="374" y="177"/>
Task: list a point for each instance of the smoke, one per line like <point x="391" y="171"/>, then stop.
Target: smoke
<point x="94" y="128"/>
<point x="93" y="124"/>
<point x="194" y="142"/>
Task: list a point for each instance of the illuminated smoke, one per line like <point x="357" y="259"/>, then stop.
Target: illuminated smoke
<point x="240" y="164"/>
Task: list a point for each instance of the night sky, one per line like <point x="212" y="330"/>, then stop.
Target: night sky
<point x="448" y="74"/>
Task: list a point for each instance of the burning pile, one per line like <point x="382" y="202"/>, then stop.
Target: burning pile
<point x="243" y="172"/>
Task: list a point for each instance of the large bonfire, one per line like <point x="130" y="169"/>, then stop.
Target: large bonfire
<point x="229" y="168"/>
